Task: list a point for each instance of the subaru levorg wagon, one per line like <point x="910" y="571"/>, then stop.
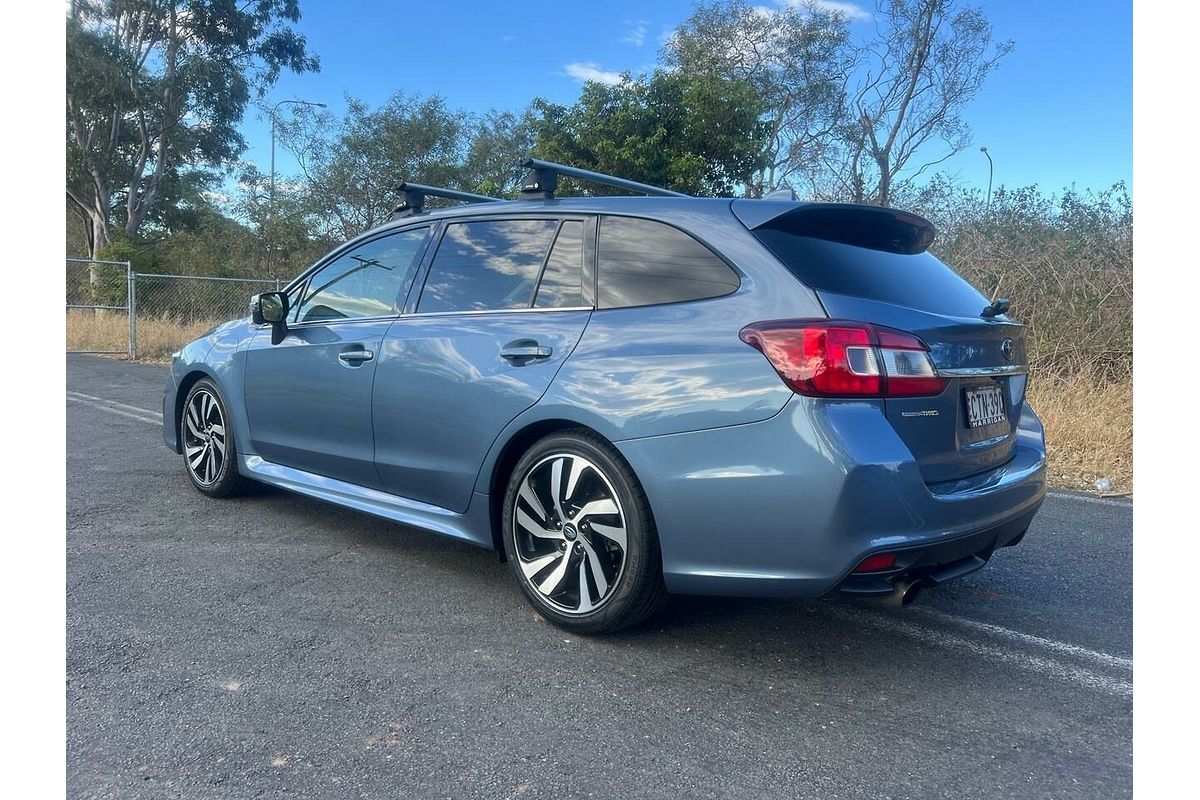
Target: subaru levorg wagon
<point x="638" y="395"/>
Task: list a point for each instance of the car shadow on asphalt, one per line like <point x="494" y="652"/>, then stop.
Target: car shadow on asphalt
<point x="462" y="563"/>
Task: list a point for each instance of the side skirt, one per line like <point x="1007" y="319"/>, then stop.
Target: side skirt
<point x="472" y="526"/>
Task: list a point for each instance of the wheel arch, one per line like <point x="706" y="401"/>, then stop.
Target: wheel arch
<point x="189" y="379"/>
<point x="506" y="460"/>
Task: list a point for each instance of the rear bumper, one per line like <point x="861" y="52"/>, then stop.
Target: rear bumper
<point x="937" y="563"/>
<point x="789" y="506"/>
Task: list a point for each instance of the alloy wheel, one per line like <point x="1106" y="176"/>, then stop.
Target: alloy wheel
<point x="204" y="438"/>
<point x="569" y="533"/>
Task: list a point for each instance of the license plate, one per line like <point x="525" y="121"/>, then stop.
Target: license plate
<point x="985" y="406"/>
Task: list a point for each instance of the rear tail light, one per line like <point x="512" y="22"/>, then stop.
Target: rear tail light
<point x="833" y="358"/>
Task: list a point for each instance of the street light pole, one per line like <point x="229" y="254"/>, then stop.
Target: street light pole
<point x="271" y="196"/>
<point x="991" y="169"/>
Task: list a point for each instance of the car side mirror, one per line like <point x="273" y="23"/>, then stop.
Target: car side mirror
<point x="271" y="308"/>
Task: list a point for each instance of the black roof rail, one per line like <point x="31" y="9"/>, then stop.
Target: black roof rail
<point x="415" y="194"/>
<point x="542" y="181"/>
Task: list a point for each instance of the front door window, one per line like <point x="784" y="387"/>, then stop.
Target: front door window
<point x="366" y="282"/>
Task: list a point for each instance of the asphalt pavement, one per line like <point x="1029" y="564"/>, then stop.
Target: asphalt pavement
<point x="275" y="646"/>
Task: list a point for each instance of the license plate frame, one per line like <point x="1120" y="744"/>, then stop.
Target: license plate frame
<point x="984" y="406"/>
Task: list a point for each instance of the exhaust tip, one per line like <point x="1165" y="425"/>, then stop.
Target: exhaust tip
<point x="904" y="591"/>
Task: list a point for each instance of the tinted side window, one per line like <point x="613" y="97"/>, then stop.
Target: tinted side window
<point x="562" y="280"/>
<point x="644" y="262"/>
<point x="487" y="265"/>
<point x="365" y="282"/>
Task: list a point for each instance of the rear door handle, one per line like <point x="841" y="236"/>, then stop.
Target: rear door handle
<point x="524" y="350"/>
<point x="355" y="358"/>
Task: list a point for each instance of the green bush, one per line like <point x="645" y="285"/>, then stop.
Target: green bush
<point x="141" y="256"/>
<point x="1065" y="261"/>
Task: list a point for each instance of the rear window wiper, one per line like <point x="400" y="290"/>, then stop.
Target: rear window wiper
<point x="995" y="308"/>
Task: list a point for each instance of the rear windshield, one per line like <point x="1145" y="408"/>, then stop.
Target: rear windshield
<point x="918" y="281"/>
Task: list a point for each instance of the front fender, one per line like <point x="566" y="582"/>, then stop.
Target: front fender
<point x="220" y="357"/>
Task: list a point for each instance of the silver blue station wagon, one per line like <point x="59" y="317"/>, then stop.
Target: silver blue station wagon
<point x="632" y="396"/>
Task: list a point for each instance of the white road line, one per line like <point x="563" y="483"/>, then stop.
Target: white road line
<point x="1102" y="501"/>
<point x="112" y="410"/>
<point x="1046" y="666"/>
<point x="1095" y="656"/>
<point x="114" y="403"/>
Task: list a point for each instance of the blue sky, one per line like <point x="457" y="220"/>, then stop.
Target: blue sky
<point x="1057" y="113"/>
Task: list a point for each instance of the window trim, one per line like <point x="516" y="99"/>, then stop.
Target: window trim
<point x="537" y="284"/>
<point x="585" y="236"/>
<point x="741" y="276"/>
<point x="414" y="297"/>
<point x="484" y="311"/>
<point x="330" y="258"/>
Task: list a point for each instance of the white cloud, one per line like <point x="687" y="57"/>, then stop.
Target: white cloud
<point x="851" y="11"/>
<point x="636" y="33"/>
<point x="591" y="71"/>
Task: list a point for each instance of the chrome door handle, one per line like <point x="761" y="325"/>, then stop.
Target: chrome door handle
<point x="524" y="350"/>
<point x="355" y="357"/>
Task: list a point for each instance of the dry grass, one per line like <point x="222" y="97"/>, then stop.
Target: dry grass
<point x="1089" y="421"/>
<point x="1089" y="429"/>
<point x="157" y="338"/>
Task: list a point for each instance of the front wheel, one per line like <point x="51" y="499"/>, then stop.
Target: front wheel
<point x="579" y="535"/>
<point x="209" y="450"/>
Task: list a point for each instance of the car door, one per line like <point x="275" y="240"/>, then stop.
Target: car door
<point x="308" y="398"/>
<point x="503" y="303"/>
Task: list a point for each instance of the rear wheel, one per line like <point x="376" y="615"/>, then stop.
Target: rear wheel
<point x="579" y="535"/>
<point x="209" y="451"/>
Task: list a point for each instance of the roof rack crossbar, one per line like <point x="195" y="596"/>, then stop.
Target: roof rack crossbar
<point x="415" y="194"/>
<point x="542" y="181"/>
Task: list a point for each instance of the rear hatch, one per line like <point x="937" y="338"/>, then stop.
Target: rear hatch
<point x="869" y="264"/>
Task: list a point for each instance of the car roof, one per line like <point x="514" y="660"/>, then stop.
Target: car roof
<point x="697" y="214"/>
<point x="641" y="206"/>
<point x="751" y="211"/>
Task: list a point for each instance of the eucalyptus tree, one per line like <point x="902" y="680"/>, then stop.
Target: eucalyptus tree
<point x="929" y="59"/>
<point x="797" y="58"/>
<point x="857" y="101"/>
<point x="351" y="165"/>
<point x="698" y="134"/>
<point x="156" y="88"/>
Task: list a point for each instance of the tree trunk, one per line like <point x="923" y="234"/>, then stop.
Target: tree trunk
<point x="98" y="238"/>
<point x="94" y="213"/>
<point x="884" y="192"/>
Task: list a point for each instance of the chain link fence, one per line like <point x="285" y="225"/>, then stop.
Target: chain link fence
<point x="112" y="309"/>
<point x="171" y="310"/>
<point x="98" y="318"/>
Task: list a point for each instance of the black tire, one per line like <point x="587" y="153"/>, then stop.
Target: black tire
<point x="613" y="589"/>
<point x="215" y="475"/>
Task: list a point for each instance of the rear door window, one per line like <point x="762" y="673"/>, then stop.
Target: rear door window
<point x="487" y="265"/>
<point x="643" y="262"/>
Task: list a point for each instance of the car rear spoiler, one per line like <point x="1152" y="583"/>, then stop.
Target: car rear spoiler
<point x="849" y="223"/>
